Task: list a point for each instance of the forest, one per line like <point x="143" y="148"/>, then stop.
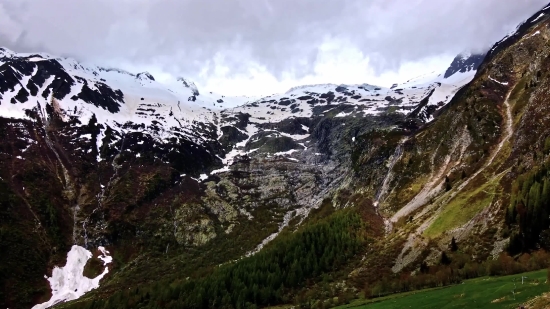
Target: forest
<point x="269" y="277"/>
<point x="529" y="210"/>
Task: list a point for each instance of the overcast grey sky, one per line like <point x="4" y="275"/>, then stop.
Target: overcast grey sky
<point x="262" y="46"/>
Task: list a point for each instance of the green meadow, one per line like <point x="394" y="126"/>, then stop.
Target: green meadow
<point x="485" y="292"/>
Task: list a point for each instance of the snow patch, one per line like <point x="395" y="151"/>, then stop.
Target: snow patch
<point x="539" y="17"/>
<point x="285" y="153"/>
<point x="538" y="32"/>
<point x="69" y="283"/>
<point x="496" y="81"/>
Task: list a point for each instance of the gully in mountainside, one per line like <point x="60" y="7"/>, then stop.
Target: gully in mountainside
<point x="407" y="254"/>
<point x="384" y="187"/>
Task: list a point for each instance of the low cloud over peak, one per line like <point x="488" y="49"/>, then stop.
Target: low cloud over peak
<point x="289" y="40"/>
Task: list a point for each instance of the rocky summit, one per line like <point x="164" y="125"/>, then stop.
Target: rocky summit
<point x="154" y="196"/>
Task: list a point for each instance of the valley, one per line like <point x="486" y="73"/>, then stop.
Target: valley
<point x="124" y="192"/>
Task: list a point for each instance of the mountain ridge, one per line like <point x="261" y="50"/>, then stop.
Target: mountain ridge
<point x="174" y="194"/>
<point x="103" y="129"/>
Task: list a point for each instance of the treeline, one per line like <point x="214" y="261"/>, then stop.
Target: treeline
<point x="291" y="262"/>
<point x="529" y="211"/>
<point x="453" y="268"/>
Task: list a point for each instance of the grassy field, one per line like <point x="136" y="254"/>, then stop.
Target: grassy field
<point x="486" y="292"/>
<point x="462" y="209"/>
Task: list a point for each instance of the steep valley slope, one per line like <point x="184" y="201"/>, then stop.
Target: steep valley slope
<point x="174" y="183"/>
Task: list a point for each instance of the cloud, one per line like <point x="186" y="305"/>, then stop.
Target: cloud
<point x="287" y="39"/>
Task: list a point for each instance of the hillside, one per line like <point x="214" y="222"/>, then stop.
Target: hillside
<point x="485" y="292"/>
<point x="169" y="191"/>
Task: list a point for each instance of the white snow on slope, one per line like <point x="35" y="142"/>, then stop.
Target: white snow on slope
<point x="538" y="32"/>
<point x="449" y="87"/>
<point x="538" y="17"/>
<point x="496" y="81"/>
<point x="69" y="283"/>
<point x="167" y="110"/>
<point x="147" y="101"/>
<point x="172" y="107"/>
<point x="369" y="101"/>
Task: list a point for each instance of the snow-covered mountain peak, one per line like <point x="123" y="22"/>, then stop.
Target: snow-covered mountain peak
<point x="4" y="52"/>
<point x="128" y="103"/>
<point x="117" y="70"/>
<point x="465" y="62"/>
<point x="189" y="84"/>
<point x="145" y="76"/>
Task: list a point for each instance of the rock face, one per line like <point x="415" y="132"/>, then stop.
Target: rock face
<point x="145" y="76"/>
<point x="189" y="84"/>
<point x="453" y="177"/>
<point x="464" y="63"/>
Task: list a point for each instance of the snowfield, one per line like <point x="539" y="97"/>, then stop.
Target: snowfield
<point x="68" y="282"/>
<point x="139" y="103"/>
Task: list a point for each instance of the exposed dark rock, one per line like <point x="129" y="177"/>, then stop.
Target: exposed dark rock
<point x="189" y="84"/>
<point x="145" y="76"/>
<point x="230" y="137"/>
<point x="341" y="89"/>
<point x="272" y="142"/>
<point x="103" y="97"/>
<point x="292" y="126"/>
<point x="464" y="64"/>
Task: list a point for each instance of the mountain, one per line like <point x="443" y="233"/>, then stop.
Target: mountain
<point x="157" y="196"/>
<point x="98" y="154"/>
<point x="464" y="63"/>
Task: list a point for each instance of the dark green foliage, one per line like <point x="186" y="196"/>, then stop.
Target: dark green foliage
<point x="448" y="185"/>
<point x="453" y="246"/>
<point x="267" y="278"/>
<point x="445" y="259"/>
<point x="529" y="209"/>
<point x="547" y="145"/>
<point x="424" y="268"/>
<point x="23" y="256"/>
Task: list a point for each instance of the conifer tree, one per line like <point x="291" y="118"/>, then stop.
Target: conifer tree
<point x="453" y="246"/>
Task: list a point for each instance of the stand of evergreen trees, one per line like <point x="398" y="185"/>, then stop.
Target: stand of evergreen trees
<point x="529" y="211"/>
<point x="269" y="277"/>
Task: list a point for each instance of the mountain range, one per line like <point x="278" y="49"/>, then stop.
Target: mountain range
<point x="113" y="181"/>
